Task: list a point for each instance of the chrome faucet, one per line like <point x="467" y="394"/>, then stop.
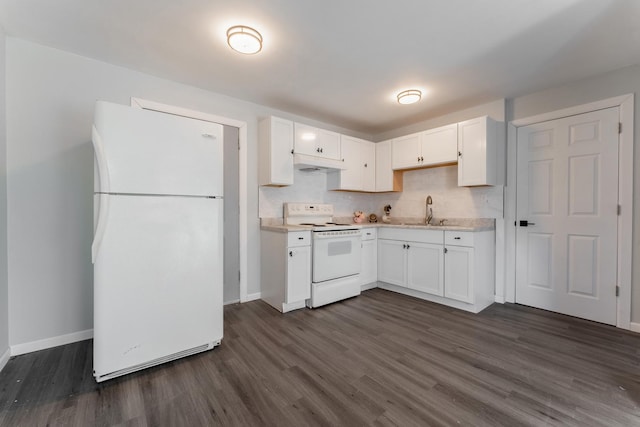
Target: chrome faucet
<point x="429" y="211"/>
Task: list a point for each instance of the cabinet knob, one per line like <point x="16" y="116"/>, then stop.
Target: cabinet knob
<point x="404" y="246"/>
<point x="456" y="238"/>
<point x="365" y="165"/>
<point x="318" y="150"/>
<point x="300" y="238"/>
<point x="290" y="253"/>
<point x="459" y="153"/>
<point x="445" y="250"/>
<point x="408" y="246"/>
<point x="292" y="151"/>
<point x="322" y="150"/>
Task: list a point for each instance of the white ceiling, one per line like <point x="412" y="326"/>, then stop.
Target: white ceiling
<point x="342" y="61"/>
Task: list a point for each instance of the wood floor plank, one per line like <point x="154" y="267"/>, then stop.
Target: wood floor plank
<point x="379" y="359"/>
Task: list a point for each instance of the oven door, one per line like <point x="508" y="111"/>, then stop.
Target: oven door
<point x="336" y="254"/>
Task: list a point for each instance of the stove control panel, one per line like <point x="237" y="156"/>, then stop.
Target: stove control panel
<point x="308" y="209"/>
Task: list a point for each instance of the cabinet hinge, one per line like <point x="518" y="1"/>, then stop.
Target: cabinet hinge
<point x="620" y="127"/>
<point x="619" y="210"/>
<point x="617" y="291"/>
<point x="239" y="276"/>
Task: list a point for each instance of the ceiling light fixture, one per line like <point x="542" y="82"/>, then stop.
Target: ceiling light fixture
<point x="244" y="39"/>
<point x="409" y="96"/>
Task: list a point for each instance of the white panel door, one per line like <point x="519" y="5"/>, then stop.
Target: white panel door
<point x="425" y="268"/>
<point x="567" y="190"/>
<point x="157" y="278"/>
<point x="392" y="262"/>
<point x="145" y="152"/>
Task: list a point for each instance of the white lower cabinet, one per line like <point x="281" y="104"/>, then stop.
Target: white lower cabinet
<point x="285" y="269"/>
<point x="369" y="270"/>
<point x="448" y="267"/>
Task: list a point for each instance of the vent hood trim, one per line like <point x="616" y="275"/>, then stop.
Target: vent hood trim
<point x="312" y="163"/>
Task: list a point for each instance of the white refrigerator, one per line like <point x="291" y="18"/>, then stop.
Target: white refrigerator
<point x="157" y="248"/>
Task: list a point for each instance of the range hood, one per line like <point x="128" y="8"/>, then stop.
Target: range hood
<point x="305" y="162"/>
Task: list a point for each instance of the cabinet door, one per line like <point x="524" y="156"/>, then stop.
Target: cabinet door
<point x="458" y="278"/>
<point x="440" y="145"/>
<point x="280" y="157"/>
<point x="384" y="173"/>
<point x="406" y="152"/>
<point x="351" y="177"/>
<point x="392" y="262"/>
<point x="298" y="274"/>
<point x="329" y="143"/>
<point x="368" y="161"/>
<point x="425" y="264"/>
<point x="477" y="152"/>
<point x="307" y="140"/>
<point x="369" y="271"/>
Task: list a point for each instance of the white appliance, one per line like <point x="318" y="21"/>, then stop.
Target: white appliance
<point x="157" y="249"/>
<point x="336" y="252"/>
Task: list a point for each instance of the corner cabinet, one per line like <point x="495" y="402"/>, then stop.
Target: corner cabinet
<point x="359" y="157"/>
<point x="477" y="151"/>
<point x="275" y="141"/>
<point x="285" y="269"/>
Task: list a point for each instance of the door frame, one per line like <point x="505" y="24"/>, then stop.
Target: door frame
<point x="242" y="170"/>
<point x="625" y="196"/>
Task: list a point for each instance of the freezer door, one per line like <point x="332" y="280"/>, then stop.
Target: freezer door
<point x="146" y="152"/>
<point x="157" y="279"/>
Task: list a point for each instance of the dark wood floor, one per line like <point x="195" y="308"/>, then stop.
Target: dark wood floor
<point x="379" y="359"/>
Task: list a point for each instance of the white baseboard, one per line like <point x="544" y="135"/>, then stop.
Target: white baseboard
<point x="29" y="347"/>
<point x="368" y="286"/>
<point x="5" y="358"/>
<point x="253" y="297"/>
<point x="233" y="301"/>
<point x="499" y="299"/>
<point x="634" y="327"/>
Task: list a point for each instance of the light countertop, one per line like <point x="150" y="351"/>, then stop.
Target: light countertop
<point x="451" y="224"/>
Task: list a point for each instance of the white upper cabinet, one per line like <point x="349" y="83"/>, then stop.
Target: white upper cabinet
<point x="429" y="148"/>
<point x="477" y="163"/>
<point x="406" y="152"/>
<point x="439" y="146"/>
<point x="386" y="178"/>
<point x="276" y="151"/>
<point x="359" y="159"/>
<point x="313" y="141"/>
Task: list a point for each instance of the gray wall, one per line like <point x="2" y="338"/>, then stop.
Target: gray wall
<point x="4" y="288"/>
<point x="620" y="82"/>
<point x="50" y="102"/>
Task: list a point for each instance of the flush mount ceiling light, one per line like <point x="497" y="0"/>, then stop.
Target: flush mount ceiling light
<point x="244" y="39"/>
<point x="409" y="96"/>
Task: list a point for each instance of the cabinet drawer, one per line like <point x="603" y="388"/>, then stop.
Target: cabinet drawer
<point x="369" y="233"/>
<point x="411" y="235"/>
<point x="458" y="238"/>
<point x="298" y="238"/>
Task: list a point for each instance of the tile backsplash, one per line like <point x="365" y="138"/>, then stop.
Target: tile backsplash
<point x="441" y="183"/>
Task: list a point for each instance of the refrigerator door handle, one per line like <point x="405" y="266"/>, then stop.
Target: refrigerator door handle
<point x="103" y="213"/>
<point x="103" y="171"/>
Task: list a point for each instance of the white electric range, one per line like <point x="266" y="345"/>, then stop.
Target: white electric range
<point x="336" y="252"/>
